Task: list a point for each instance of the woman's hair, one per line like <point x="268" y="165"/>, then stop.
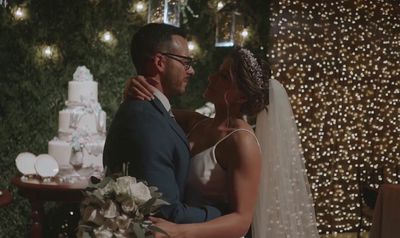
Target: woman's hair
<point x="252" y="76"/>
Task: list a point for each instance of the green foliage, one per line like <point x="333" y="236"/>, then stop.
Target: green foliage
<point x="33" y="89"/>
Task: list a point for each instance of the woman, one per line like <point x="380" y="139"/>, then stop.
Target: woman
<point x="268" y="188"/>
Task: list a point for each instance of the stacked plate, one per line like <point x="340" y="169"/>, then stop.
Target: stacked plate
<point x="43" y="165"/>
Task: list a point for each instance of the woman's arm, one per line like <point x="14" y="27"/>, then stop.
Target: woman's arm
<point x="187" y="119"/>
<point x="138" y="87"/>
<point x="243" y="155"/>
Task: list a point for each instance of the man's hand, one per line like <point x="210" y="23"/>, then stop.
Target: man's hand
<point x="138" y="88"/>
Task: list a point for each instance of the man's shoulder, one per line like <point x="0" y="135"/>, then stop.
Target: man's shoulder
<point x="134" y="104"/>
<point x="138" y="108"/>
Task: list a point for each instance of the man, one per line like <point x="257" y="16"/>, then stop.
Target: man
<point x="145" y="134"/>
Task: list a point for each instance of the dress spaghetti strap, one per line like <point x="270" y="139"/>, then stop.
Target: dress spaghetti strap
<point x="240" y="129"/>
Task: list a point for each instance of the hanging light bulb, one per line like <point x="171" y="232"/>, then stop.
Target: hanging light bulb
<point x="165" y="11"/>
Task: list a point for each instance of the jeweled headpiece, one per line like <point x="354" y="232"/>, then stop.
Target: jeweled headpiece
<point x="252" y="66"/>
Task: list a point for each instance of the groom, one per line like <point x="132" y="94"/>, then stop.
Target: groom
<point x="145" y="134"/>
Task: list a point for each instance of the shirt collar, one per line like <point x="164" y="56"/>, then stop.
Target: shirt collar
<point x="163" y="99"/>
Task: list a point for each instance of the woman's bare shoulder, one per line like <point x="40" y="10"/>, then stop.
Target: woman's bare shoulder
<point x="241" y="124"/>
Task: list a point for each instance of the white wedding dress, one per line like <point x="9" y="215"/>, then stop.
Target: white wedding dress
<point x="285" y="207"/>
<point x="207" y="183"/>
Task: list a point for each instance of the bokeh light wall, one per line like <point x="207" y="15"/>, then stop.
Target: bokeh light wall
<point x="340" y="62"/>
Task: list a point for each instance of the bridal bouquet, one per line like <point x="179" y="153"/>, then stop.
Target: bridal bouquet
<point x="118" y="208"/>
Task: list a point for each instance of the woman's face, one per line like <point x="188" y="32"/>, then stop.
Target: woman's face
<point x="219" y="82"/>
<point x="222" y="87"/>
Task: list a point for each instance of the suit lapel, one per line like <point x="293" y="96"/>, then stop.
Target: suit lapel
<point x="174" y="125"/>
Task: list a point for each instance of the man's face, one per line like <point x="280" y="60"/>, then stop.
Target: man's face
<point x="177" y="72"/>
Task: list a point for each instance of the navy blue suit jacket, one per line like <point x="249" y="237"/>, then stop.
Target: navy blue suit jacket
<point x="144" y="134"/>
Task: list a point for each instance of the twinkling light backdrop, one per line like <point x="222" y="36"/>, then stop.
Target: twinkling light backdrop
<point x="340" y="62"/>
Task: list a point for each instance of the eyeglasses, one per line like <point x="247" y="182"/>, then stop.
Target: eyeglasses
<point x="187" y="62"/>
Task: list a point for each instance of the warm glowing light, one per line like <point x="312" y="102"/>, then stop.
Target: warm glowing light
<point x="20" y="13"/>
<point x="220" y="5"/>
<point x="192" y="45"/>
<point x="140" y="7"/>
<point x="343" y="82"/>
<point x="244" y="33"/>
<point x="107" y="37"/>
<point x="48" y="51"/>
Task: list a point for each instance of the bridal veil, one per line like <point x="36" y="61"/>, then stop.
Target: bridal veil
<point x="285" y="206"/>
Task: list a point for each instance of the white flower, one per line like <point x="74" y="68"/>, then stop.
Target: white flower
<point x="120" y="234"/>
<point x="102" y="232"/>
<point x="110" y="186"/>
<point x="110" y="210"/>
<point x="92" y="215"/>
<point x="140" y="192"/>
<point x="82" y="74"/>
<point x="128" y="205"/>
<point x="123" y="222"/>
<point x="126" y="180"/>
<point x="123" y="184"/>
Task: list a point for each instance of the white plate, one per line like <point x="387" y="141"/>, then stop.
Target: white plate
<point x="25" y="163"/>
<point x="46" y="166"/>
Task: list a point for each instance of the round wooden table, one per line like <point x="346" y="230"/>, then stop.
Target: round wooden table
<point x="38" y="192"/>
<point x="5" y="198"/>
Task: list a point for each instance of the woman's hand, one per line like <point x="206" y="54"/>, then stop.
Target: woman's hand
<point x="138" y="88"/>
<point x="170" y="228"/>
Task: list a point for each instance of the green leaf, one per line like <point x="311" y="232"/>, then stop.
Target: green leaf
<point x="102" y="183"/>
<point x="157" y="229"/>
<point x="147" y="207"/>
<point x="86" y="235"/>
<point x="139" y="231"/>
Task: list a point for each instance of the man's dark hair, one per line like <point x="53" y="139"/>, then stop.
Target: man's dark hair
<point x="150" y="39"/>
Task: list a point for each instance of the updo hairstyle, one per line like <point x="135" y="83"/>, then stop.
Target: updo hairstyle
<point x="252" y="76"/>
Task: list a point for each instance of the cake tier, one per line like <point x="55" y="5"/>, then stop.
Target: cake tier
<point x="91" y="154"/>
<point x="81" y="119"/>
<point x="82" y="91"/>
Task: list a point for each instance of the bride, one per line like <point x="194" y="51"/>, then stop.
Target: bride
<point x="260" y="178"/>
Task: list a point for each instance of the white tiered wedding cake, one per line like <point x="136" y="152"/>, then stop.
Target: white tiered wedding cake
<point x="78" y="149"/>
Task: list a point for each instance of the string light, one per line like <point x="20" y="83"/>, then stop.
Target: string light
<point x="244" y="33"/>
<point x="19" y="13"/>
<point x="192" y="45"/>
<point x="220" y="5"/>
<point x="194" y="49"/>
<point x="47" y="51"/>
<point x="107" y="37"/>
<point x="140" y="7"/>
<point x="339" y="63"/>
